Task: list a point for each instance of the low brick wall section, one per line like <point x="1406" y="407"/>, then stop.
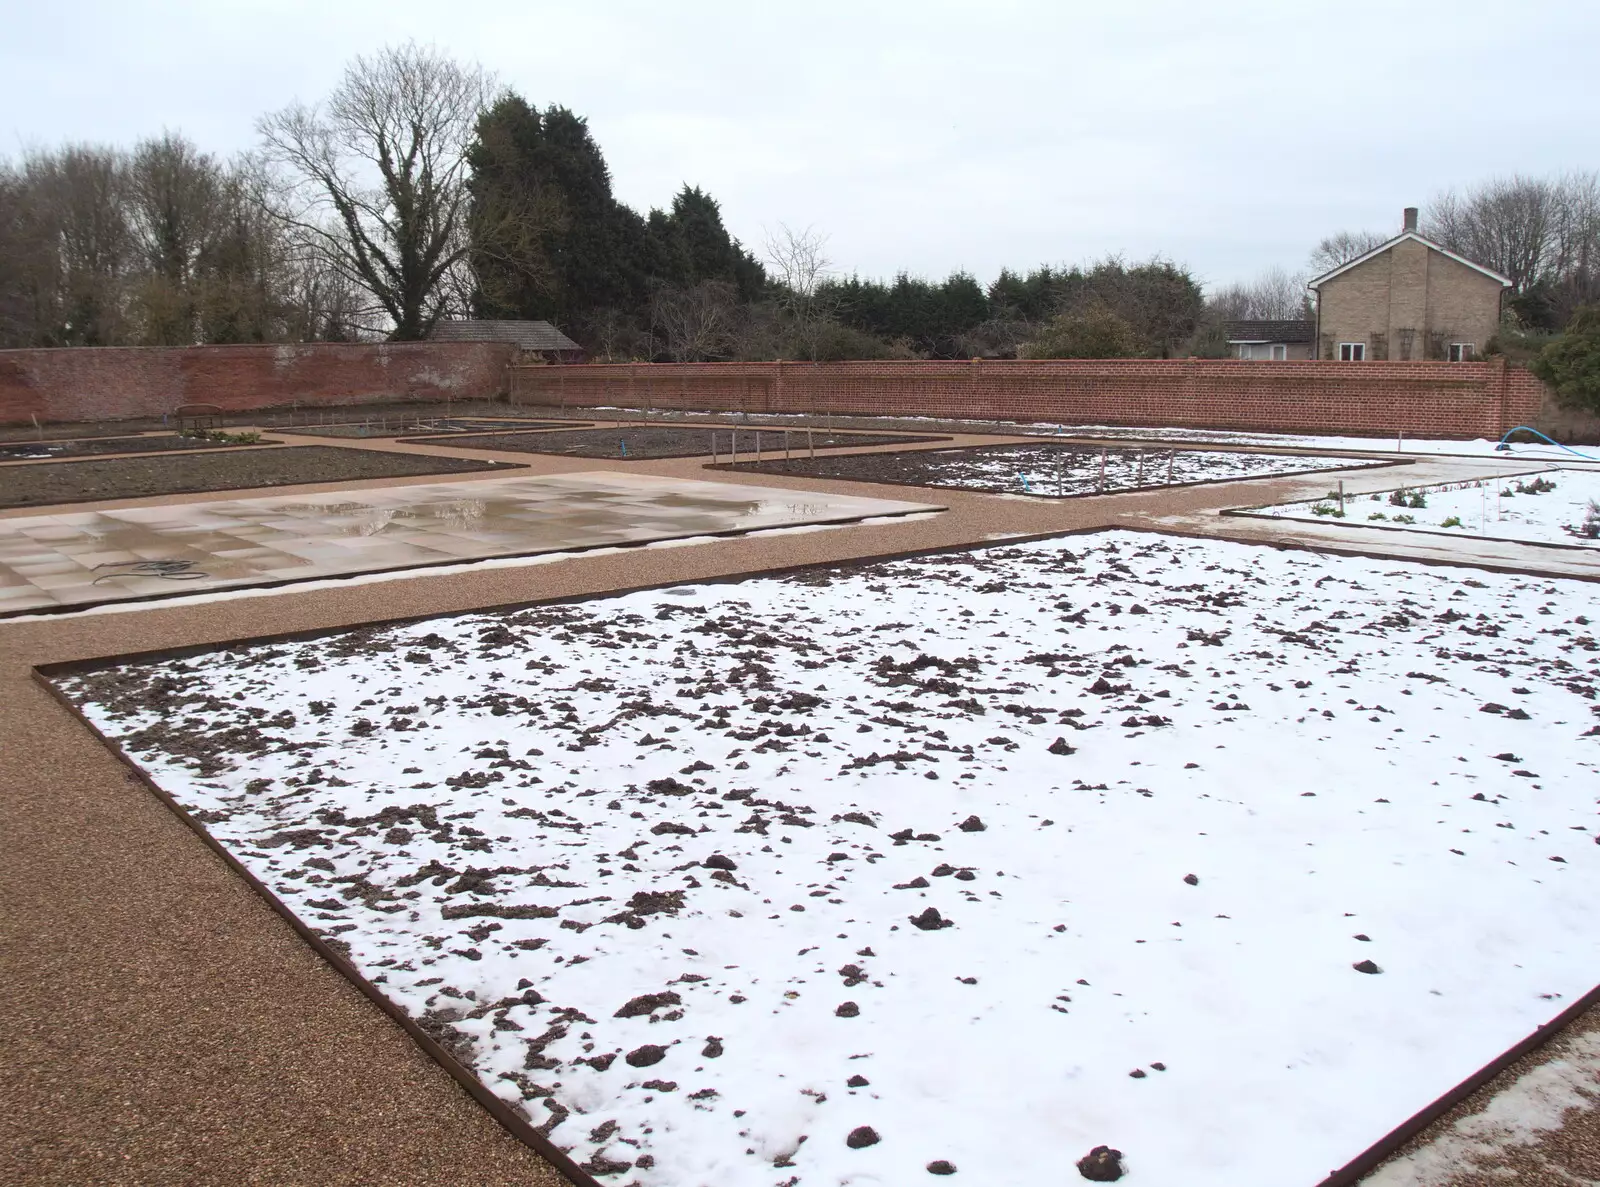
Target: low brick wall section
<point x="1480" y="399"/>
<point x="118" y="383"/>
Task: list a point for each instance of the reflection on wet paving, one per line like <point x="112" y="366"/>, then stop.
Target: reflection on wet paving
<point x="77" y="558"/>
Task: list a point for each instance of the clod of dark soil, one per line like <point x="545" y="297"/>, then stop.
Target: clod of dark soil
<point x="1101" y="1165"/>
<point x="1366" y="966"/>
<point x="847" y="1010"/>
<point x="931" y="920"/>
<point x="1137" y="1073"/>
<point x="971" y="825"/>
<point x="648" y="1003"/>
<point x="717" y="862"/>
<point x="940" y="1167"/>
<point x="857" y="1081"/>
<point x="645" y="1056"/>
<point x="1192" y="879"/>
<point x="862" y="1136"/>
<point x="1060" y="746"/>
<point x="713" y="1048"/>
<point x="1363" y="937"/>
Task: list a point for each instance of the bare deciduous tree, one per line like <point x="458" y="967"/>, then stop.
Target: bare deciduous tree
<point x="379" y="171"/>
<point x="799" y="267"/>
<point x="1537" y="232"/>
<point x="1343" y="247"/>
<point x="1275" y="295"/>
<point x="696" y="324"/>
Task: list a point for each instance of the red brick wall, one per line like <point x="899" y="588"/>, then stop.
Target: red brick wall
<point x="116" y="382"/>
<point x="1377" y="398"/>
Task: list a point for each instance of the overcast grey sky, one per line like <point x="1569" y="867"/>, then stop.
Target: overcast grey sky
<point x="928" y="136"/>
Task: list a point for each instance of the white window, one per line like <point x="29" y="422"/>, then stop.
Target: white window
<point x="1280" y="351"/>
<point x="1352" y="352"/>
<point x="1461" y="352"/>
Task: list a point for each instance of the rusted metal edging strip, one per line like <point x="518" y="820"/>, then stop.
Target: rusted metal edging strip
<point x="513" y="1122"/>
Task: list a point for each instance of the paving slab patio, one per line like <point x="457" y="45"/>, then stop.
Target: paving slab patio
<point x="83" y="558"/>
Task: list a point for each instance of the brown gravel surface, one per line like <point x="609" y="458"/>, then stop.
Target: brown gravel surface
<point x="166" y="1026"/>
<point x="44" y="484"/>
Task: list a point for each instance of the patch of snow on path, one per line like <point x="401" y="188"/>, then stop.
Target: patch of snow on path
<point x="1004" y="854"/>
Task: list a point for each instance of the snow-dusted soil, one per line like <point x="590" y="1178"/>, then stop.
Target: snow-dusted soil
<point x="1491" y="508"/>
<point x="1056" y="470"/>
<point x="1004" y="854"/>
<point x="1397" y="443"/>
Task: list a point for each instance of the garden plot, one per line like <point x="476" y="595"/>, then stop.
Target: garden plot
<point x="1056" y="470"/>
<point x="1227" y="858"/>
<point x="1555" y="507"/>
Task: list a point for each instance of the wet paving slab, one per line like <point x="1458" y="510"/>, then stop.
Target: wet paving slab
<point x="75" y="559"/>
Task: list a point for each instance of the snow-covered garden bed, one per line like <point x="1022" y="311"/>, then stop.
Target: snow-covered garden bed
<point x="1553" y="507"/>
<point x="1055" y="470"/>
<point x="1225" y="857"/>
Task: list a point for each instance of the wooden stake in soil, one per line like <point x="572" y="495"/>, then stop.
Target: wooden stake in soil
<point x="1102" y="467"/>
<point x="1139" y="481"/>
<point x="758" y="447"/>
<point x="811" y="444"/>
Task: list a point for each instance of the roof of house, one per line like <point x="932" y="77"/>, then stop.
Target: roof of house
<point x="533" y="336"/>
<point x="1404" y="235"/>
<point x="1270" y="331"/>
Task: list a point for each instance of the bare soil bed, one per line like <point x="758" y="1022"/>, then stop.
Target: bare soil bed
<point x="48" y="484"/>
<point x="409" y="427"/>
<point x="1055" y="470"/>
<point x="640" y="442"/>
<point x="95" y="446"/>
<point x="1224" y="857"/>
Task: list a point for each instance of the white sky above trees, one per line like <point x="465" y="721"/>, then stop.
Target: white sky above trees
<point x="923" y="135"/>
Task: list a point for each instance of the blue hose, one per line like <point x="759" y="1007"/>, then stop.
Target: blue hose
<point x="1588" y="457"/>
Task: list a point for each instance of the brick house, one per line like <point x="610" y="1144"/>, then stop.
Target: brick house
<point x="1406" y="299"/>
<point x="1271" y="339"/>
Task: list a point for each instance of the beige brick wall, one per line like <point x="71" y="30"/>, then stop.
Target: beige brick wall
<point x="1409" y="287"/>
<point x="1463" y="303"/>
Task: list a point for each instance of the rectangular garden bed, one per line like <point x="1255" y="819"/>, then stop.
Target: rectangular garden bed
<point x="95" y="446"/>
<point x="1056" y="470"/>
<point x="47" y="485"/>
<point x="1559" y="506"/>
<point x="1227" y="858"/>
<point x="408" y="427"/>
<point x="641" y="442"/>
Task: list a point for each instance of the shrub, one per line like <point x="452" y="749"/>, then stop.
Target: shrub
<point x="1571" y="364"/>
<point x="1095" y="331"/>
<point x="1453" y="522"/>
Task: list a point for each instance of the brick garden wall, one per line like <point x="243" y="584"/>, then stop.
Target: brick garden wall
<point x="1374" y="398"/>
<point x="116" y="383"/>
